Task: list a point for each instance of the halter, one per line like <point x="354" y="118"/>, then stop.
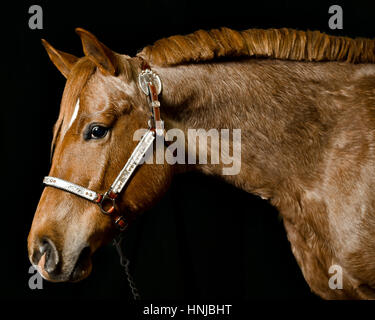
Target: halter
<point x="150" y="84"/>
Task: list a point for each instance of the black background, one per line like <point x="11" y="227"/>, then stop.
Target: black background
<point x="205" y="239"/>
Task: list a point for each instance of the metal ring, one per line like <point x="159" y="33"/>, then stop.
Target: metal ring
<point x="111" y="209"/>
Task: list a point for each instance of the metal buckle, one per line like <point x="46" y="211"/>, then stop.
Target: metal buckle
<point x="147" y="76"/>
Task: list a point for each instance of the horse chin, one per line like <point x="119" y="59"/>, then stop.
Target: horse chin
<point x="83" y="266"/>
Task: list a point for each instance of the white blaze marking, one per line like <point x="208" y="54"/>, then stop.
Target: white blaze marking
<point x="74" y="116"/>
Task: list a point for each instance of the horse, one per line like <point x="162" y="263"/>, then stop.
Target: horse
<point x="303" y="100"/>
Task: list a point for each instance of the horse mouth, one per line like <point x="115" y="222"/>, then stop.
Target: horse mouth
<point x="83" y="266"/>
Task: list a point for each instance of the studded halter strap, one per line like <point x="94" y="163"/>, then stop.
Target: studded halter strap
<point x="150" y="84"/>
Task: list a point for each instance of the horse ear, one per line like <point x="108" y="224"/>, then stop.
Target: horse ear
<point x="63" y="61"/>
<point x="103" y="57"/>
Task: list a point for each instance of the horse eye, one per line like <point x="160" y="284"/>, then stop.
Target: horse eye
<point x="98" y="132"/>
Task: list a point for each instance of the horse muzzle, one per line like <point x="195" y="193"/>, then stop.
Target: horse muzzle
<point x="51" y="265"/>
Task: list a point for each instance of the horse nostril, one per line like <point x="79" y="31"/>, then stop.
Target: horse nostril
<point x="51" y="258"/>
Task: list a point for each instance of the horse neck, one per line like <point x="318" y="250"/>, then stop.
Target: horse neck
<point x="284" y="110"/>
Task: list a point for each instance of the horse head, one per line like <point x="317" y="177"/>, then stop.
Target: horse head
<point x="101" y="108"/>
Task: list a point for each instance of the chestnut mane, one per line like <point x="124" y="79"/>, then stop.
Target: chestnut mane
<point x="287" y="44"/>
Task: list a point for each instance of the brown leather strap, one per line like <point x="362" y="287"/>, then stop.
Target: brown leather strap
<point x="154" y="101"/>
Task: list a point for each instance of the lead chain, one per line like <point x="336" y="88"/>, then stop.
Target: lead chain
<point x="124" y="261"/>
